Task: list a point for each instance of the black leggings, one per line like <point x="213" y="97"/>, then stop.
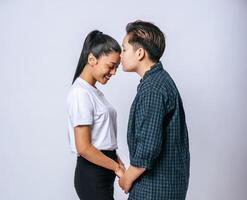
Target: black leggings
<point x="93" y="182"/>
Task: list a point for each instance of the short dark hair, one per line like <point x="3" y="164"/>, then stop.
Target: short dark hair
<point x="148" y="36"/>
<point x="98" y="44"/>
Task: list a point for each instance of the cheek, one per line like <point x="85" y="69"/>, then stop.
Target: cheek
<point x="105" y="71"/>
<point x="129" y="59"/>
<point x="125" y="58"/>
<point x="98" y="72"/>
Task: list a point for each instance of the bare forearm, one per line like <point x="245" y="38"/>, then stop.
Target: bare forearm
<point x="97" y="157"/>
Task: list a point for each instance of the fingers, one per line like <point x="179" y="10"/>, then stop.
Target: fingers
<point x="124" y="185"/>
<point x="120" y="172"/>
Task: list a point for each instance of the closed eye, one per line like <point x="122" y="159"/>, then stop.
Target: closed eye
<point x="116" y="66"/>
<point x="113" y="65"/>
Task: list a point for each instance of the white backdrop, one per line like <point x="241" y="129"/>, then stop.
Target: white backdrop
<point x="40" y="44"/>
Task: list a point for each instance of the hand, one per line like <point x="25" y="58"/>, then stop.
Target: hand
<point x="120" y="170"/>
<point x="125" y="183"/>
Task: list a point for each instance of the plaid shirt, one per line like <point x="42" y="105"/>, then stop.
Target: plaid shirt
<point x="158" y="139"/>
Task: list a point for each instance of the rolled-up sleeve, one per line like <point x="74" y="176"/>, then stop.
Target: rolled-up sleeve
<point x="149" y="114"/>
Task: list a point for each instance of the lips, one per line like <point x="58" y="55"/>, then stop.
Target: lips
<point x="107" y="77"/>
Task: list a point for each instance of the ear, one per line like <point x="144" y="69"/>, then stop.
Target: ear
<point x="140" y="53"/>
<point x="92" y="60"/>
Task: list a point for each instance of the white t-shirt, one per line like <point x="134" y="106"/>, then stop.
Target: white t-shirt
<point x="88" y="106"/>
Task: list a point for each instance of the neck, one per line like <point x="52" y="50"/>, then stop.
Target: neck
<point x="87" y="75"/>
<point x="144" y="67"/>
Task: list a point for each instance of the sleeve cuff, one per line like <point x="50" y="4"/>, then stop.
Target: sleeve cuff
<point x="78" y="123"/>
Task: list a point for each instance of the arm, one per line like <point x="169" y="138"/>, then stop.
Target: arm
<point x="92" y="154"/>
<point x="81" y="112"/>
<point x="149" y="119"/>
<point x="149" y="114"/>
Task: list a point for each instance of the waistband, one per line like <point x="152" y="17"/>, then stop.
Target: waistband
<point x="106" y="152"/>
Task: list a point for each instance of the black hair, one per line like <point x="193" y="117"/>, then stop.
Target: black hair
<point x="98" y="44"/>
<point x="148" y="36"/>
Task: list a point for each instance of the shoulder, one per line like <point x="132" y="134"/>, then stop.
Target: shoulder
<point x="159" y="85"/>
<point x="76" y="92"/>
<point x="154" y="84"/>
<point x="163" y="82"/>
<point x="149" y="92"/>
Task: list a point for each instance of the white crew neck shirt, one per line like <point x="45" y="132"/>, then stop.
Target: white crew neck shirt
<point x="87" y="105"/>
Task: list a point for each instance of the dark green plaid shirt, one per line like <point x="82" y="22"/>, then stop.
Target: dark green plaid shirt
<point x="158" y="139"/>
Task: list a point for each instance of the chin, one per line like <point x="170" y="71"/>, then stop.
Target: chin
<point x="128" y="69"/>
<point x="103" y="82"/>
<point x="125" y="69"/>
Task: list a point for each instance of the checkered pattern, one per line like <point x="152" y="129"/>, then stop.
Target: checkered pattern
<point x="158" y="139"/>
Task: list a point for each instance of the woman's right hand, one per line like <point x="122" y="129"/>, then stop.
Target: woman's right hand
<point x="120" y="170"/>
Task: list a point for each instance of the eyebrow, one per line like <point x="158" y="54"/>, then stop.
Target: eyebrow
<point x="115" y="64"/>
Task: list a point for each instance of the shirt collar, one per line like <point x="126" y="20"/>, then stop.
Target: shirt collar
<point x="89" y="86"/>
<point x="153" y="69"/>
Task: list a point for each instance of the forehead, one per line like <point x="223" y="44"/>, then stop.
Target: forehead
<point x="111" y="57"/>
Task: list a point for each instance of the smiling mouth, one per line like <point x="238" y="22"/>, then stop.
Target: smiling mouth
<point x="107" y="77"/>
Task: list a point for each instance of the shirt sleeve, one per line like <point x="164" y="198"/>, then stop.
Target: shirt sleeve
<point x="149" y="114"/>
<point x="80" y="108"/>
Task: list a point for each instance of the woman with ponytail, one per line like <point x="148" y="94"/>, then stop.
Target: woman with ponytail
<point x="92" y="119"/>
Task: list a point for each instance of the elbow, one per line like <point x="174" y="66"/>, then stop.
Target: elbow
<point x="83" y="150"/>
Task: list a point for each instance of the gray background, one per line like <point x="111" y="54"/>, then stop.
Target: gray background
<point x="40" y="43"/>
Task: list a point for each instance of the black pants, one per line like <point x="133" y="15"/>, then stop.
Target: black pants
<point x="93" y="182"/>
